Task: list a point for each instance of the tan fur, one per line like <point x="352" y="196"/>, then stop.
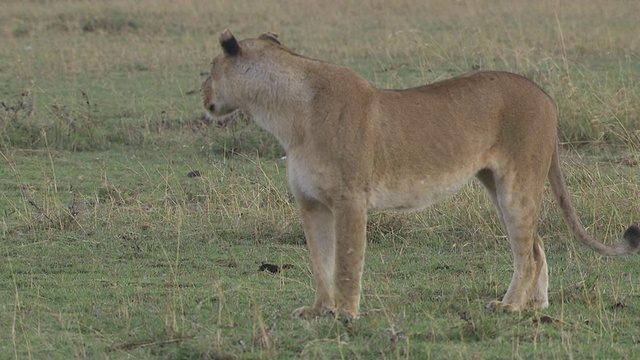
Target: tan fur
<point x="352" y="147"/>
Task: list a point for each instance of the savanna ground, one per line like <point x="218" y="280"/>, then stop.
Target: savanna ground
<point x="132" y="229"/>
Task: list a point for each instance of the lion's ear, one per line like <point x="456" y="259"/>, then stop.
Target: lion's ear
<point x="229" y="43"/>
<point x="271" y="36"/>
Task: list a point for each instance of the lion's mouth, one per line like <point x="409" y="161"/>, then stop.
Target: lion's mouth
<point x="219" y="120"/>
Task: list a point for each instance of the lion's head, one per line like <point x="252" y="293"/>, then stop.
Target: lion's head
<point x="230" y="74"/>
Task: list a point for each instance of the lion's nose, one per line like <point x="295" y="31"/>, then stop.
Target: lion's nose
<point x="211" y="107"/>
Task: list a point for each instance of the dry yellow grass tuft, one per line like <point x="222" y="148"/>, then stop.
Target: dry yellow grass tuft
<point x="581" y="52"/>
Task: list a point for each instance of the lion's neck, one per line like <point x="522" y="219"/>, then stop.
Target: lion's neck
<point x="281" y="103"/>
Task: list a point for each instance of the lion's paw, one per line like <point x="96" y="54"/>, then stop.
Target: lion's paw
<point x="346" y="317"/>
<point x="540" y="303"/>
<point x="499" y="306"/>
<point x="308" y="312"/>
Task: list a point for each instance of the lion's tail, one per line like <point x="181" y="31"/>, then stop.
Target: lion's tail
<point x="630" y="240"/>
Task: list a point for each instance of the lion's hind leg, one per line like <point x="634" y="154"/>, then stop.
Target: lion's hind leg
<point x="540" y="292"/>
<point x="518" y="210"/>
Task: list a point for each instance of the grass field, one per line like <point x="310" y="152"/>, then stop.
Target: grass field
<point x="132" y="229"/>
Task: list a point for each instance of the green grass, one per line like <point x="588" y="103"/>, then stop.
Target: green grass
<point x="157" y="264"/>
<point x="110" y="249"/>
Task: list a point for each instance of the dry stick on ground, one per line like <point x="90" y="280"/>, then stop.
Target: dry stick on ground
<point x="32" y="201"/>
<point x="74" y="209"/>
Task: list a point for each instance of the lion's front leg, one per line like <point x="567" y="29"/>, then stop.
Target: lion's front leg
<point x="319" y="230"/>
<point x="351" y="224"/>
<point x="336" y="241"/>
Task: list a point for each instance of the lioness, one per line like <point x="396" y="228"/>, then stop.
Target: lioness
<point x="351" y="147"/>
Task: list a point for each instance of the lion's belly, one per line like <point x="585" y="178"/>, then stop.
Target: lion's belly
<point x="414" y="195"/>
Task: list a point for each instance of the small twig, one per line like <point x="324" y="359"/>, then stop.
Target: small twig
<point x="86" y="98"/>
<point x="143" y="344"/>
<point x="244" y="348"/>
<point x="31" y="200"/>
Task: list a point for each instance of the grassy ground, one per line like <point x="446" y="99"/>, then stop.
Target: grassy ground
<point x="131" y="229"/>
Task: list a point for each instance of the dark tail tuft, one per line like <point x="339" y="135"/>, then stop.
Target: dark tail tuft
<point x="632" y="237"/>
